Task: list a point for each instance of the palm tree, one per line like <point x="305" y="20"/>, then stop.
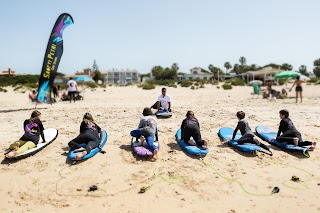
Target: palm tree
<point x="242" y="61"/>
<point x="286" y="66"/>
<point x="228" y="66"/>
<point x="316" y="63"/>
<point x="253" y="67"/>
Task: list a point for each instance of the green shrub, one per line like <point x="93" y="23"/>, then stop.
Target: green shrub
<point x="18" y="87"/>
<point x="31" y="85"/>
<point x="129" y="84"/>
<point x="192" y="87"/>
<point x="172" y="85"/>
<point x="162" y="82"/>
<point x="3" y="90"/>
<point x="91" y="84"/>
<point x="313" y="80"/>
<point x="185" y="83"/>
<point x="201" y="86"/>
<point x="196" y="84"/>
<point x="103" y="86"/>
<point x="148" y="86"/>
<point x="227" y="86"/>
<point x="218" y="87"/>
<point x="238" y="82"/>
<point x="214" y="82"/>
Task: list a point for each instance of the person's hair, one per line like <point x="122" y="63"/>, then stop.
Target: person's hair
<point x="71" y="78"/>
<point x="33" y="116"/>
<point x="33" y="92"/>
<point x="284" y="112"/>
<point x="190" y="114"/>
<point x="146" y="111"/>
<point x="163" y="89"/>
<point x="298" y="77"/>
<point x="87" y="117"/>
<point x="241" y="114"/>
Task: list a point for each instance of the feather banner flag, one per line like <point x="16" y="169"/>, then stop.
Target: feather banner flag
<point x="52" y="57"/>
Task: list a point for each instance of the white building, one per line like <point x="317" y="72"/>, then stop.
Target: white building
<point x="121" y="77"/>
<point x="196" y="73"/>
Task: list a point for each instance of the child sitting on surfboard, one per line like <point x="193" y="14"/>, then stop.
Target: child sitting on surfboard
<point x="89" y="135"/>
<point x="289" y="133"/>
<point x="33" y="128"/>
<point x="190" y="128"/>
<point x="247" y="134"/>
<point x="148" y="129"/>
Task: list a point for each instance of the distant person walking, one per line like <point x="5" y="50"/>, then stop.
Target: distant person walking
<point x="55" y="90"/>
<point x="298" y="83"/>
<point x="72" y="89"/>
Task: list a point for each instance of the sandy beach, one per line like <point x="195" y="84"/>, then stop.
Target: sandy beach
<point x="225" y="181"/>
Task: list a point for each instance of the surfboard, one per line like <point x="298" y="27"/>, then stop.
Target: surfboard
<point x="142" y="151"/>
<point x="93" y="152"/>
<point x="193" y="150"/>
<point x="49" y="134"/>
<point x="226" y="134"/>
<point x="266" y="134"/>
<point x="164" y="114"/>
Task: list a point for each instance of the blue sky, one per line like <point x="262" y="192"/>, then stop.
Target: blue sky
<point x="139" y="34"/>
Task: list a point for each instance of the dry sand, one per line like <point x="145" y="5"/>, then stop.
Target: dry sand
<point x="46" y="182"/>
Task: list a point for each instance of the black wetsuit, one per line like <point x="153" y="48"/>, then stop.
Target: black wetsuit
<point x="289" y="133"/>
<point x="247" y="134"/>
<point x="191" y="128"/>
<point x="89" y="135"/>
<point x="32" y="131"/>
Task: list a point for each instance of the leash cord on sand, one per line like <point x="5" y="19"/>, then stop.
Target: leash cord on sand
<point x="283" y="183"/>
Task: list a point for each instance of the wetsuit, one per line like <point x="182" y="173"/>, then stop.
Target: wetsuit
<point x="247" y="134"/>
<point x="148" y="128"/>
<point x="32" y="131"/>
<point x="289" y="133"/>
<point x="191" y="128"/>
<point x="89" y="135"/>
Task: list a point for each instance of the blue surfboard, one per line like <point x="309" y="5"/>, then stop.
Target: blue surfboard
<point x="226" y="134"/>
<point x="93" y="152"/>
<point x="193" y="150"/>
<point x="266" y="134"/>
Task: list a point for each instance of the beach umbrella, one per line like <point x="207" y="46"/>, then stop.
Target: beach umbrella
<point x="287" y="74"/>
<point x="83" y="78"/>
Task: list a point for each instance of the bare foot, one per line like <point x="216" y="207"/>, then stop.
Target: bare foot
<point x="271" y="153"/>
<point x="205" y="144"/>
<point x="79" y="156"/>
<point x="11" y="154"/>
<point x="313" y="146"/>
<point x="190" y="142"/>
<point x="79" y="150"/>
<point x="155" y="155"/>
<point x="17" y="145"/>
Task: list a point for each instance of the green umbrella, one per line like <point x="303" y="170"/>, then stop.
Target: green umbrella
<point x="287" y="74"/>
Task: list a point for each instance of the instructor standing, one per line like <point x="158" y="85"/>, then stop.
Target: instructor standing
<point x="72" y="89"/>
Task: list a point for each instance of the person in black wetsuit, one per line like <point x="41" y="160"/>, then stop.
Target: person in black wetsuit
<point x="190" y="128"/>
<point x="289" y="133"/>
<point x="89" y="135"/>
<point x="33" y="128"/>
<point x="247" y="134"/>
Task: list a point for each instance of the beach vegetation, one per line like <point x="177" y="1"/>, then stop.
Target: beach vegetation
<point x="91" y="84"/>
<point x="18" y="80"/>
<point x="161" y="73"/>
<point x="3" y="90"/>
<point x="18" y="87"/>
<point x="192" y="87"/>
<point x="314" y="80"/>
<point x="201" y="86"/>
<point x="227" y="86"/>
<point x="185" y="83"/>
<point x="238" y="82"/>
<point x="147" y="86"/>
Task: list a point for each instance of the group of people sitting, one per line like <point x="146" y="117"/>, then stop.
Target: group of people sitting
<point x="91" y="133"/>
<point x="287" y="133"/>
<point x="272" y="94"/>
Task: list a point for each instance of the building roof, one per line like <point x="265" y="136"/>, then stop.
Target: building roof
<point x="264" y="71"/>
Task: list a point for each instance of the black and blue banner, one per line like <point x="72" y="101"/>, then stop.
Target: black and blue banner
<point x="52" y="57"/>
